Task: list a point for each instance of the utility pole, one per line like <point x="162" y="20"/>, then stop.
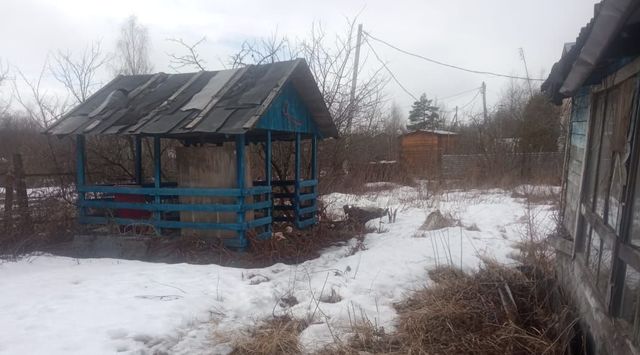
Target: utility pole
<point x="483" y="89"/>
<point x="455" y="118"/>
<point x="354" y="80"/>
<point x="526" y="70"/>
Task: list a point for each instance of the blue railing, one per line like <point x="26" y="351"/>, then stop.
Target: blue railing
<point x="159" y="202"/>
<point x="302" y="202"/>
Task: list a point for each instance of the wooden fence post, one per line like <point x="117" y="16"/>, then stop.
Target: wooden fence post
<point x="8" y="201"/>
<point x="21" y="194"/>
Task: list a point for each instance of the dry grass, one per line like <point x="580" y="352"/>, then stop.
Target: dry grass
<point x="497" y="310"/>
<point x="276" y="336"/>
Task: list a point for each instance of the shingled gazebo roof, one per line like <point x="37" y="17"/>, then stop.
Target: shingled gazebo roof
<point x="214" y="103"/>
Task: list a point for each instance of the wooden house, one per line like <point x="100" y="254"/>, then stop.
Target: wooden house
<point x="421" y="151"/>
<point x="599" y="259"/>
<point x="212" y="116"/>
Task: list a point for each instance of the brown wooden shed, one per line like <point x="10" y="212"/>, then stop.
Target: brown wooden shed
<point x="421" y="151"/>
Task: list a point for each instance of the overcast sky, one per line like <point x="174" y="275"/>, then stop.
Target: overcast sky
<point x="482" y="35"/>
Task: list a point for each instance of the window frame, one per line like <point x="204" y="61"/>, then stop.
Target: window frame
<point x="623" y="253"/>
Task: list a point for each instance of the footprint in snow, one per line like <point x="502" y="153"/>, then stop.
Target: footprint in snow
<point x="255" y="279"/>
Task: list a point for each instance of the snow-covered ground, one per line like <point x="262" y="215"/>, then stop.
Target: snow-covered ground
<point x="56" y="305"/>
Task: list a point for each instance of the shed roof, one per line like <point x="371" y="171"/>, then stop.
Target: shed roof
<point x="599" y="39"/>
<point x="432" y="131"/>
<point x="207" y="102"/>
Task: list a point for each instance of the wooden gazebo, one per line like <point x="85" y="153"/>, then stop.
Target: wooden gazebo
<point x="207" y="112"/>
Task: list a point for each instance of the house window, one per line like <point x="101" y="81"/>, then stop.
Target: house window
<point x="610" y="245"/>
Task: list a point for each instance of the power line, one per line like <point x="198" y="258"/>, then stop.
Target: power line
<point x="458" y="94"/>
<point x="389" y="70"/>
<point x="472" y="100"/>
<point x="368" y="35"/>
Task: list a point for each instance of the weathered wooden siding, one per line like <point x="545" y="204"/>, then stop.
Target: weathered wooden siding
<point x="447" y="143"/>
<point x="580" y="112"/>
<point x="209" y="167"/>
<point x="419" y="153"/>
<point x="288" y="113"/>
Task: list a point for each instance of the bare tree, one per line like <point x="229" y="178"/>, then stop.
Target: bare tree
<point x="132" y="49"/>
<point x="191" y="59"/>
<point x="41" y="107"/>
<point x="4" y="72"/>
<point x="78" y="74"/>
<point x="394" y="120"/>
<point x="331" y="62"/>
<point x="265" y="50"/>
<point x="4" y="76"/>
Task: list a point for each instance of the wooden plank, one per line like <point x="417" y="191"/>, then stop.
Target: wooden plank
<point x="157" y="171"/>
<point x="581" y="110"/>
<point x="211" y="168"/>
<point x="308" y="183"/>
<point x="163" y="191"/>
<point x="241" y="164"/>
<point x="603" y="230"/>
<point x="258" y="222"/>
<point x="622" y="74"/>
<point x="307" y="210"/>
<point x="257" y="190"/>
<point x="154" y="207"/>
<point x="267" y="160"/>
<point x="8" y="202"/>
<point x="308" y="197"/>
<point x="298" y="177"/>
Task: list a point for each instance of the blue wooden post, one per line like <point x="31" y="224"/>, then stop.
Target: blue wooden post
<point x="267" y="169"/>
<point x="314" y="157"/>
<point x="297" y="180"/>
<point x="138" y="159"/>
<point x="240" y="141"/>
<point x="314" y="166"/>
<point x="157" y="173"/>
<point x="80" y="174"/>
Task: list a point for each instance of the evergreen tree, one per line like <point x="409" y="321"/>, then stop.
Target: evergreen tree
<point x="424" y="115"/>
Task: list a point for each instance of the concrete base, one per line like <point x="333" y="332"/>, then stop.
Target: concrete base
<point x="123" y="247"/>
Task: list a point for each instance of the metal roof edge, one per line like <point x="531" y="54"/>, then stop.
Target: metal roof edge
<point x="76" y="107"/>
